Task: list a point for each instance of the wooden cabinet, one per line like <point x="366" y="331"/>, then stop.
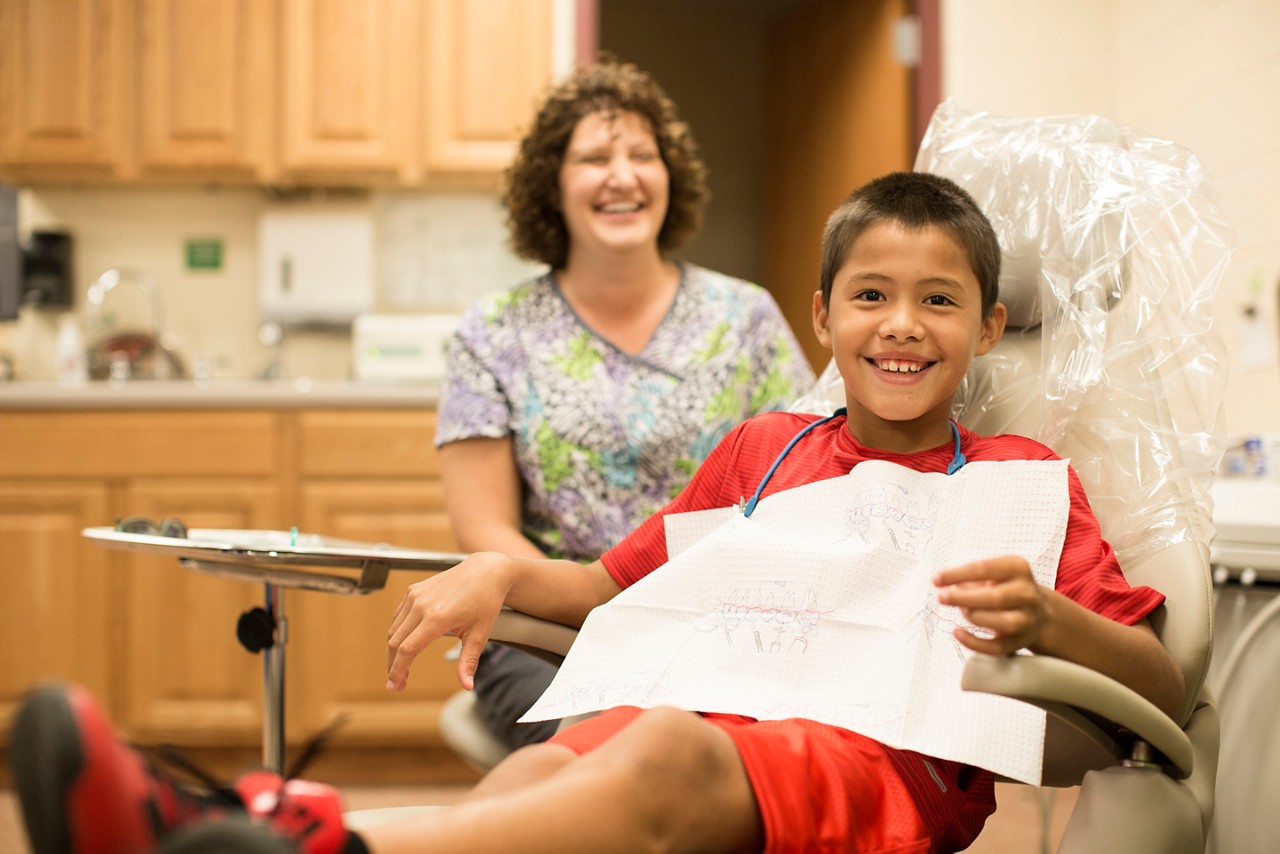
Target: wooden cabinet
<point x="477" y="102"/>
<point x="206" y="87"/>
<point x="348" y="92"/>
<point x="170" y="667"/>
<point x="371" y="477"/>
<point x="57" y="615"/>
<point x="156" y="641"/>
<point x="349" y="88"/>
<point x="65" y="93"/>
<point x="183" y="677"/>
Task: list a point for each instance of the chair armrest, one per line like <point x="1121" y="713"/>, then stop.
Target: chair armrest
<point x="1109" y="713"/>
<point x="543" y="638"/>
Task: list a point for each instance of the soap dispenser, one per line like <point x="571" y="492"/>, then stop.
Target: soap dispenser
<point x="70" y="359"/>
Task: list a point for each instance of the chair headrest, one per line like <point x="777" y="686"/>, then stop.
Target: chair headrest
<point x="1027" y="176"/>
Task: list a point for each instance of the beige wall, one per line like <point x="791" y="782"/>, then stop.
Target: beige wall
<point x="433" y="253"/>
<point x="1202" y="73"/>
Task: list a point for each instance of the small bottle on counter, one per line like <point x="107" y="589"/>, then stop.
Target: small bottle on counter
<point x="1255" y="459"/>
<point x="71" y="363"/>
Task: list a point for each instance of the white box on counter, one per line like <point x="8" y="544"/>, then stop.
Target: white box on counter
<point x="400" y="347"/>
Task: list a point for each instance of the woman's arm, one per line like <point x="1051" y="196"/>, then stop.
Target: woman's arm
<point x="1001" y="596"/>
<point x="482" y="496"/>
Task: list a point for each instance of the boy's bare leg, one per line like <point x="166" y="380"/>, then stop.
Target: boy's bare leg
<point x="520" y="769"/>
<point x="668" y="781"/>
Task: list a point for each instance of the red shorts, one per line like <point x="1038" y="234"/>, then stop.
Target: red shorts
<point x="818" y="787"/>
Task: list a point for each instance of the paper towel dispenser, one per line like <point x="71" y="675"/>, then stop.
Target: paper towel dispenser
<point x="316" y="262"/>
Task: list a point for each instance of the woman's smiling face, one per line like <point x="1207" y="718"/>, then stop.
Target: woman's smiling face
<point x="614" y="186"/>
<point x="903" y="322"/>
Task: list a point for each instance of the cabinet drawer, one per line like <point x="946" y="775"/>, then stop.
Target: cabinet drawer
<point x="392" y="443"/>
<point x="131" y="444"/>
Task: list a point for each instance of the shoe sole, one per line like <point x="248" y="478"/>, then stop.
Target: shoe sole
<point x="46" y="757"/>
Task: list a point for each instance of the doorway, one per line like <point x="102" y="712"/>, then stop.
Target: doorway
<point x="794" y="104"/>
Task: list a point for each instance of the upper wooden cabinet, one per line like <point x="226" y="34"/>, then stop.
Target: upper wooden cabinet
<point x="476" y="102"/>
<point x="65" y="98"/>
<point x="349" y="88"/>
<point x="207" y="83"/>
<point x="351" y="92"/>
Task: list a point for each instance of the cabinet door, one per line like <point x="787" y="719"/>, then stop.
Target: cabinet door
<point x="64" y="88"/>
<point x="187" y="679"/>
<point x="348" y="88"/>
<point x="58" y="622"/>
<point x="487" y="63"/>
<point x="208" y="87"/>
<point x="339" y="642"/>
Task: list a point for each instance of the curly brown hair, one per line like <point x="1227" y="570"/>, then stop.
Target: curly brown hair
<point x="532" y="195"/>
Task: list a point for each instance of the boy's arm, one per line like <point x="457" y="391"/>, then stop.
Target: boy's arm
<point x="465" y="601"/>
<point x="1001" y="597"/>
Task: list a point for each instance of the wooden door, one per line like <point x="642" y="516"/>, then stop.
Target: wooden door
<point x="186" y="678"/>
<point x="349" y="88"/>
<point x="339" y="650"/>
<point x="65" y="97"/>
<point x="57" y="617"/>
<point x="487" y="63"/>
<point x="372" y="476"/>
<point x="839" y="113"/>
<point x="207" y="87"/>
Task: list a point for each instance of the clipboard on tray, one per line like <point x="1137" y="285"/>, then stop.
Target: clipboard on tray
<point x="282" y="558"/>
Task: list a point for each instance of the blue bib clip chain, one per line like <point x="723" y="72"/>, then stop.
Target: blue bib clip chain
<point x="957" y="459"/>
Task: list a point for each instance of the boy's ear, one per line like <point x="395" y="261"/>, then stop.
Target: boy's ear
<point x="820" y="321"/>
<point x="992" y="328"/>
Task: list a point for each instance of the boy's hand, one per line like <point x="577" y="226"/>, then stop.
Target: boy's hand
<point x="1001" y="598"/>
<point x="463" y="601"/>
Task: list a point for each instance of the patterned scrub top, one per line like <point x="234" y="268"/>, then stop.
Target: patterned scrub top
<point x="603" y="439"/>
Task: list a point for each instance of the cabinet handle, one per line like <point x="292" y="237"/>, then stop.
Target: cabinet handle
<point x="286" y="275"/>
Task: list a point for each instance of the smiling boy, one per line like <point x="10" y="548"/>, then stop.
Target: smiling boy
<point x="907" y="300"/>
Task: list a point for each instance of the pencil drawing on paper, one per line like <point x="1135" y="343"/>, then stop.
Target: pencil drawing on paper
<point x="770" y="619"/>
<point x="890" y="515"/>
<point x="938" y="623"/>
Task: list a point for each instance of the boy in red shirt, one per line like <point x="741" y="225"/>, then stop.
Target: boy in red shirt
<point x="907" y="300"/>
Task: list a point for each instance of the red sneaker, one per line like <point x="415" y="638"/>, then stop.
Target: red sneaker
<point x="82" y="791"/>
<point x="309" y="814"/>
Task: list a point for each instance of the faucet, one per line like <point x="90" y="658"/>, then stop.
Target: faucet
<point x="271" y="334"/>
<point x="165" y="360"/>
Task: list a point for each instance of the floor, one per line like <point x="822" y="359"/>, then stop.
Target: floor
<point x="1016" y="828"/>
<point x="13" y="840"/>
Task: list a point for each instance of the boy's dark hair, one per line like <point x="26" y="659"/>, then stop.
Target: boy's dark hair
<point x="532" y="195"/>
<point x="915" y="200"/>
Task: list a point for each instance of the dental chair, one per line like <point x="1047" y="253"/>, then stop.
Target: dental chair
<point x="1113" y="250"/>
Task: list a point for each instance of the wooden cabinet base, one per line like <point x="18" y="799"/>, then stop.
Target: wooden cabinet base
<point x="156" y="643"/>
<point x="364" y="766"/>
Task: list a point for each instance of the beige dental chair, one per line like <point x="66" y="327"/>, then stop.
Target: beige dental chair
<point x="1113" y="250"/>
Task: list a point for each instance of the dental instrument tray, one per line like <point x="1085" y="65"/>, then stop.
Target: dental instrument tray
<point x="277" y="557"/>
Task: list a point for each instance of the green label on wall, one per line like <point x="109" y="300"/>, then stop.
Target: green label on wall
<point x="204" y="253"/>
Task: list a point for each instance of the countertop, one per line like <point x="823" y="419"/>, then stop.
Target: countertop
<point x="217" y="394"/>
<point x="1248" y="529"/>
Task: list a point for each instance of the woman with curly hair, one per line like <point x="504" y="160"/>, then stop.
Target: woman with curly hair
<point x="578" y="403"/>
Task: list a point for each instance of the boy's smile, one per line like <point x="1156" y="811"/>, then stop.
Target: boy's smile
<point x="903" y="323"/>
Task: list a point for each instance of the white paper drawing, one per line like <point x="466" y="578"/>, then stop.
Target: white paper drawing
<point x="821" y="605"/>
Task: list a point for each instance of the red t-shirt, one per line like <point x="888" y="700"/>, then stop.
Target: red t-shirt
<point x="1088" y="571"/>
